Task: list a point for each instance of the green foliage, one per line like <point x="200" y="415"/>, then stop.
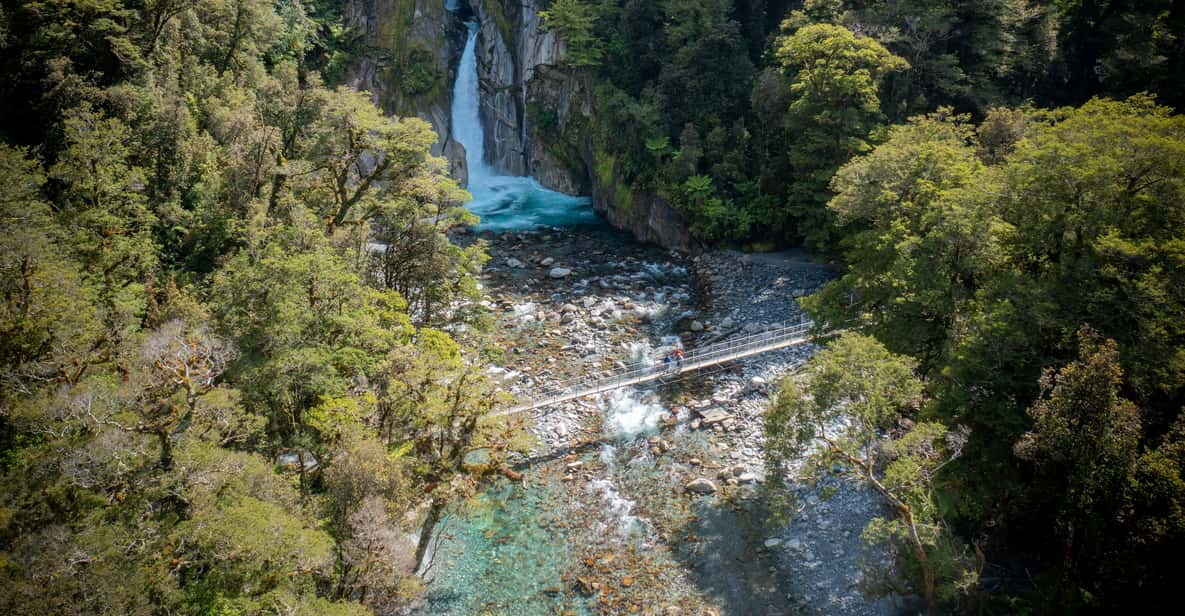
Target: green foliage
<point x="849" y="394"/>
<point x="246" y="550"/>
<point x="834" y="113"/>
<point x="981" y="252"/>
<point x="186" y="291"/>
<point x="575" y="20"/>
<point x="417" y="73"/>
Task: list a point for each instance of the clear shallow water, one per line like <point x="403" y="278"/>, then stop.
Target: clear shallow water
<point x="507" y="550"/>
<point x="506" y="554"/>
<point x="504" y="203"/>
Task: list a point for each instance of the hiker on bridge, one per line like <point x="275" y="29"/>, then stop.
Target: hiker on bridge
<point x="666" y="362"/>
<point x="679" y="358"/>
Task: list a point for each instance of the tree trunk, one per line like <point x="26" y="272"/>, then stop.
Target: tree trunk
<point x="430" y="521"/>
<point x="923" y="561"/>
<point x="166" y="448"/>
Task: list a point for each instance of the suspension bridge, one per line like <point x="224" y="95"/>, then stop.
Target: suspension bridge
<point x="774" y="338"/>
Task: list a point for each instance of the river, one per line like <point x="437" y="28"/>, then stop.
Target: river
<point x="603" y="524"/>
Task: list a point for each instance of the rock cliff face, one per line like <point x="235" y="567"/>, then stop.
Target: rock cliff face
<point x="409" y="52"/>
<point x="538" y="115"/>
<point x="512" y="48"/>
<point x="648" y="217"/>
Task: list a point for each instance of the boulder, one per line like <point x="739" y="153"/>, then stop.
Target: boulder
<point x="714" y="416"/>
<point x="547" y="262"/>
<point x="773" y="542"/>
<point x="290" y="462"/>
<point x="697" y="326"/>
<point x="726" y="323"/>
<point x="700" y="486"/>
<point x="559" y="272"/>
<point x="515" y="263"/>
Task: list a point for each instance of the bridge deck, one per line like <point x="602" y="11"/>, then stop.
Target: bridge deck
<point x="728" y="350"/>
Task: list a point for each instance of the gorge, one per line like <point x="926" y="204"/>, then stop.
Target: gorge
<point x="520" y="74"/>
<point x="503" y="202"/>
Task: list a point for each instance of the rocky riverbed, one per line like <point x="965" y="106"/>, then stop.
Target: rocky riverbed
<point x="650" y="500"/>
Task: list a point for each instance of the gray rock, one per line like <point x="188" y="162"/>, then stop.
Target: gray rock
<point x="547" y="262"/>
<point x="726" y="323"/>
<point x="701" y="486"/>
<point x="515" y="263"/>
<point x="291" y="461"/>
<point x="773" y="542"/>
<point x="559" y="272"/>
<point x="697" y="326"/>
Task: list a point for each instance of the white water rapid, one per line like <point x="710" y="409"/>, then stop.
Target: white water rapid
<point x="503" y="202"/>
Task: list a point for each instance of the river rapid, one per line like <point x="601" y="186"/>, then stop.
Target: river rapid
<point x="603" y="521"/>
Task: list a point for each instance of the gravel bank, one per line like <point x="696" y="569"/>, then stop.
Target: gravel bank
<point x="677" y="488"/>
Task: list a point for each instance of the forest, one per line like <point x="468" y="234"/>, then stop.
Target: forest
<point x="199" y="340"/>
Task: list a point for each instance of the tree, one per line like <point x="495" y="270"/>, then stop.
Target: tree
<point x="923" y="32"/>
<point x="105" y="212"/>
<point x="415" y="257"/>
<point x="380" y="557"/>
<point x="177" y="366"/>
<point x="360" y="161"/>
<point x="835" y="109"/>
<point x="1084" y="443"/>
<point x="919" y="246"/>
<point x="848" y="396"/>
<point x="305" y="322"/>
<point x="1096" y="197"/>
<point x="50" y="324"/>
<point x="575" y="20"/>
<point x="435" y="401"/>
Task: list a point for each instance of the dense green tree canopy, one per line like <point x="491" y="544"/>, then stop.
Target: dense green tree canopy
<point x="188" y="303"/>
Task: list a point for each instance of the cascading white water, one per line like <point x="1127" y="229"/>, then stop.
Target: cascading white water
<point x="503" y="202"/>
<point x="466" y="109"/>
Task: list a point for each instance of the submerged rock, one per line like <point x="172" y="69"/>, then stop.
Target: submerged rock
<point x="559" y="272"/>
<point x="700" y="486"/>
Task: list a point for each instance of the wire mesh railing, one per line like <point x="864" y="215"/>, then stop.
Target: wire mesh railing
<point x="772" y="338"/>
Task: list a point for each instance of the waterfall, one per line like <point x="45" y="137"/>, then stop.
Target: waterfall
<point x="502" y="202"/>
<point x="467" y="109"/>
